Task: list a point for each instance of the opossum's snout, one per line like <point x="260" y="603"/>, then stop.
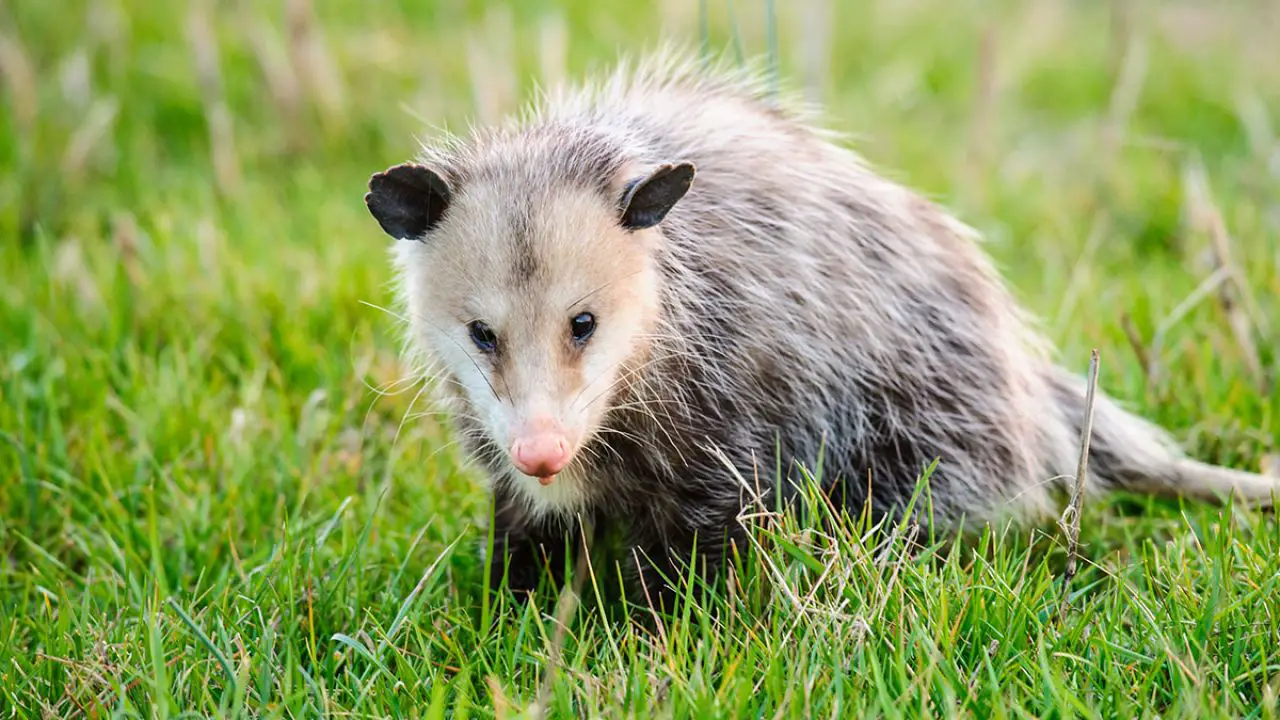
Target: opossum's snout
<point x="541" y="449"/>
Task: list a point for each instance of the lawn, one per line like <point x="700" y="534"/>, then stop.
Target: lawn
<point x="220" y="494"/>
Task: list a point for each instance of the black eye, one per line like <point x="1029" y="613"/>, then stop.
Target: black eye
<point x="483" y="337"/>
<point x="581" y="327"/>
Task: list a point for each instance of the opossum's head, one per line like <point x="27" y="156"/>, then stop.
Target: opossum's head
<point x="535" y="298"/>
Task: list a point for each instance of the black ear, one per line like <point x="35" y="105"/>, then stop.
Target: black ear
<point x="407" y="200"/>
<point x="648" y="199"/>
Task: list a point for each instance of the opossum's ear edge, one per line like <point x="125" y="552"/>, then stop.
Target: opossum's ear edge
<point x="647" y="200"/>
<point x="407" y="200"/>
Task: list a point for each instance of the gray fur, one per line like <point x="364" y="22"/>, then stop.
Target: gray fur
<point x="806" y="303"/>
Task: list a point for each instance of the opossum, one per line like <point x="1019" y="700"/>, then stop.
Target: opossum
<point x="657" y="283"/>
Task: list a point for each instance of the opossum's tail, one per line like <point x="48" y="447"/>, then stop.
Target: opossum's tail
<point x="1128" y="452"/>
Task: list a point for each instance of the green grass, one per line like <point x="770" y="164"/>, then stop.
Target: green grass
<point x="206" y="508"/>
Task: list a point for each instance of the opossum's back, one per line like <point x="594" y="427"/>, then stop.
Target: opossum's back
<point x="827" y="300"/>
<point x="675" y="105"/>
<point x="783" y="222"/>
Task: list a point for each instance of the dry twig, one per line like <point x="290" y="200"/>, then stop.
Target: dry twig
<point x="1234" y="296"/>
<point x="1070" y="521"/>
<point x="1140" y="349"/>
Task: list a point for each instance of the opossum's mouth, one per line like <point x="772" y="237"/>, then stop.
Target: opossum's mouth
<point x="545" y="479"/>
<point x="541" y="450"/>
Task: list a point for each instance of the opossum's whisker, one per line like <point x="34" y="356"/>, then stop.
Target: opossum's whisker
<point x="628" y="374"/>
<point x="392" y="313"/>
<point x="446" y="414"/>
<point x="407" y="412"/>
<point x="473" y="362"/>
<point x="643" y="442"/>
<point x="644" y="403"/>
<point x="389" y="388"/>
<point x="642" y="409"/>
<point x="442" y="448"/>
<point x="1047" y="482"/>
<point x="621" y="381"/>
<point x="426" y="370"/>
<point x="364" y="422"/>
<point x="686" y="346"/>
<point x="602" y="287"/>
<point x="409" y="381"/>
<point x="640" y="404"/>
<point x="592" y="451"/>
<point x="386" y="389"/>
<point x="623" y="377"/>
<point x="681" y="339"/>
<point x="613" y="450"/>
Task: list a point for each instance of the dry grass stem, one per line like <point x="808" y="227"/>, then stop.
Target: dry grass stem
<point x="1070" y="521"/>
<point x="1128" y="88"/>
<point x="982" y="128"/>
<point x="817" y="19"/>
<point x="1270" y="465"/>
<point x="15" y="67"/>
<point x="278" y="71"/>
<point x="204" y="46"/>
<point x="1140" y="349"/>
<point x="501" y="706"/>
<point x="125" y="233"/>
<point x="1080" y="271"/>
<point x="1240" y="308"/>
<point x="553" y="49"/>
<point x="491" y="65"/>
<point x="95" y="126"/>
<point x="1121" y="29"/>
<point x="311" y="58"/>
<point x="1177" y="315"/>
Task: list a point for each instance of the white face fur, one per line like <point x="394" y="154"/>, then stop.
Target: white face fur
<point x="532" y="310"/>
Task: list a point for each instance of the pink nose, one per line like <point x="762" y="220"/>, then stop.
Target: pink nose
<point x="540" y="454"/>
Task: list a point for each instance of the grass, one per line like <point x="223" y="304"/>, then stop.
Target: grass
<point x="217" y="496"/>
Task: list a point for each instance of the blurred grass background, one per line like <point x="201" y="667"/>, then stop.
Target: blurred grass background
<point x="201" y="395"/>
